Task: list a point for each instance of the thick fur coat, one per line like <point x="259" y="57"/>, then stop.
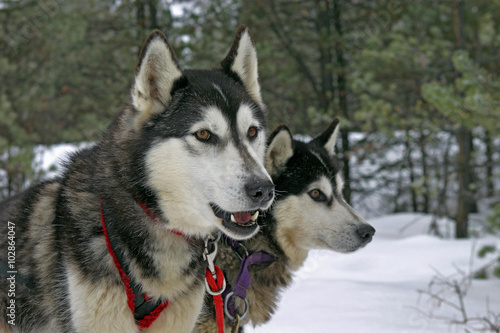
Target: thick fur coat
<point x="183" y="160"/>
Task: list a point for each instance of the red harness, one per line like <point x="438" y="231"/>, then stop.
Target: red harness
<point x="151" y="215"/>
<point x="144" y="310"/>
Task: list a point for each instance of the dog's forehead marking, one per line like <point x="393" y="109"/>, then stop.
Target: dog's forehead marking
<point x="339" y="180"/>
<point x="252" y="153"/>
<point x="320" y="159"/>
<point x="213" y="120"/>
<point x="220" y="92"/>
<point x="245" y="118"/>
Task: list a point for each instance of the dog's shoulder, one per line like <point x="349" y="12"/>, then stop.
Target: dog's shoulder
<point x="20" y="206"/>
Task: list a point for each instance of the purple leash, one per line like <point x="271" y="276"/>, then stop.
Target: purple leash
<point x="243" y="279"/>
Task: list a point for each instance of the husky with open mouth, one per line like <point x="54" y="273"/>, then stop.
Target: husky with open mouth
<point x="309" y="213"/>
<point x="115" y="244"/>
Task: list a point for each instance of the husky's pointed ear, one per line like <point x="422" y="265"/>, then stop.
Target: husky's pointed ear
<point x="328" y="138"/>
<point x="279" y="150"/>
<point x="242" y="61"/>
<point x="155" y="74"/>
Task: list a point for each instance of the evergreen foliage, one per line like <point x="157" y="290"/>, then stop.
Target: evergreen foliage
<point x="404" y="74"/>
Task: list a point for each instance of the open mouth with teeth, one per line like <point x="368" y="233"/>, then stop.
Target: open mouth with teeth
<point x="240" y="224"/>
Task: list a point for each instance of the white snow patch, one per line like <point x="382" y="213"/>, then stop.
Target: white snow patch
<point x="51" y="159"/>
<point x="374" y="290"/>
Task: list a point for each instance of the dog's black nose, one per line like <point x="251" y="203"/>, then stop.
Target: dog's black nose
<point x="366" y="232"/>
<point x="260" y="191"/>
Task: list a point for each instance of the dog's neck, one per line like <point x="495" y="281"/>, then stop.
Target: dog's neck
<point x="268" y="280"/>
<point x="280" y="245"/>
<point x="153" y="245"/>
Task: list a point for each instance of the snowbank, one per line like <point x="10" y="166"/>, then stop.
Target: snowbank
<point x="375" y="289"/>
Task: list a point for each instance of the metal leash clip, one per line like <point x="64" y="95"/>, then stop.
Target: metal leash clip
<point x="209" y="254"/>
<point x="236" y="324"/>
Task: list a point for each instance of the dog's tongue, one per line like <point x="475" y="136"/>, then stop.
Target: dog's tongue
<point x="242" y="217"/>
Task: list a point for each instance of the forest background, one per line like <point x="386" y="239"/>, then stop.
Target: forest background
<point x="415" y="83"/>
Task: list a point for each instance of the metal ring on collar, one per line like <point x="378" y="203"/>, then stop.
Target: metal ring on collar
<point x="216" y="239"/>
<point x="226" y="310"/>
<point x="218" y="292"/>
<point x="244" y="249"/>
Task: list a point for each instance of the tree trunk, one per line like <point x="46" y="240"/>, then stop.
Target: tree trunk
<point x="464" y="137"/>
<point x="443" y="175"/>
<point x="342" y="94"/>
<point x="472" y="178"/>
<point x="414" y="199"/>
<point x="425" y="173"/>
<point x="141" y="18"/>
<point x="490" y="184"/>
<point x="463" y="175"/>
<point x="323" y="28"/>
<point x="153" y="22"/>
<point x="399" y="190"/>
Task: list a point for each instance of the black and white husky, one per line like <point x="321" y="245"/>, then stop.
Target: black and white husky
<point x="115" y="244"/>
<point x="309" y="213"/>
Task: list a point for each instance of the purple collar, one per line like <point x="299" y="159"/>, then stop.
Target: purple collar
<point x="243" y="280"/>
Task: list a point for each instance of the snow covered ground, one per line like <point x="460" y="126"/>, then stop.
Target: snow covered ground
<point x="375" y="289"/>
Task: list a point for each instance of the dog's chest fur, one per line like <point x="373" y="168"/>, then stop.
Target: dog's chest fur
<point x="63" y="250"/>
<point x="165" y="265"/>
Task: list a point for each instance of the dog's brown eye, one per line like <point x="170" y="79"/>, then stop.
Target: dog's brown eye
<point x="314" y="194"/>
<point x="317" y="195"/>
<point x="203" y="135"/>
<point x="252" y="132"/>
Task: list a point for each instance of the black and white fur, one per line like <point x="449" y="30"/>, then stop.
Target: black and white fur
<point x="190" y="146"/>
<point x="309" y="213"/>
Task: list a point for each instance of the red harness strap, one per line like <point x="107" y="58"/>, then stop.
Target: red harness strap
<point x="151" y="215"/>
<point x="219" y="304"/>
<point x="123" y="276"/>
<point x="149" y="318"/>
